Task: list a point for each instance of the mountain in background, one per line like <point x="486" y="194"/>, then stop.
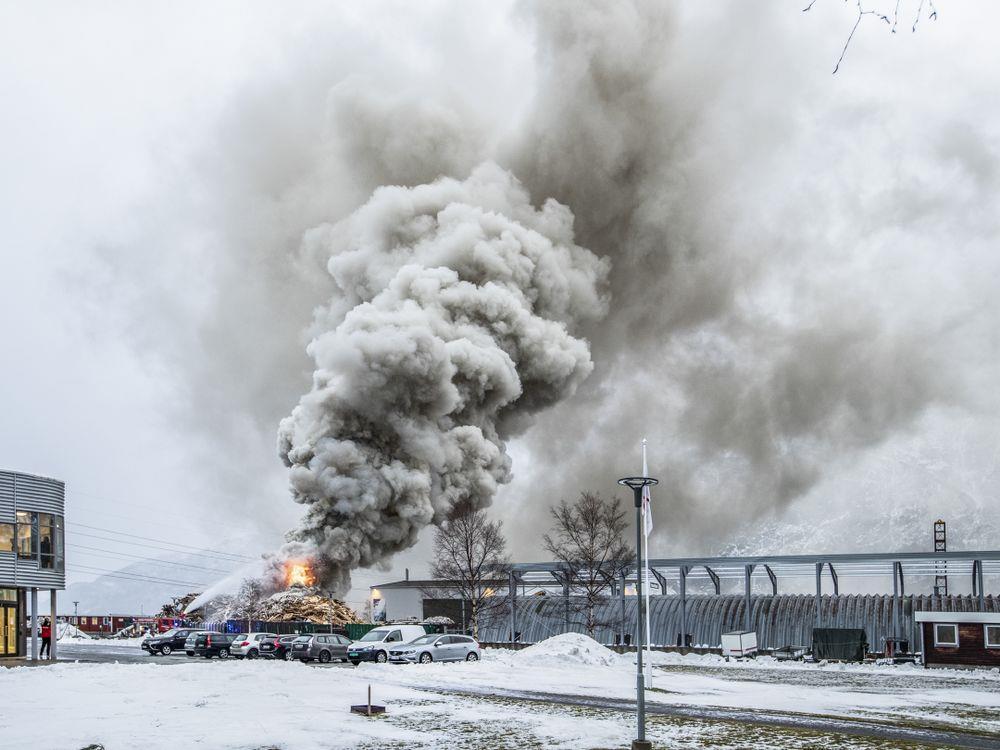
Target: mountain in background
<point x="139" y="588"/>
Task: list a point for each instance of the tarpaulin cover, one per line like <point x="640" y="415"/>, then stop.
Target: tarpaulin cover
<point x="846" y="644"/>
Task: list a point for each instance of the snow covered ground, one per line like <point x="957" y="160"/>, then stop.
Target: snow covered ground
<point x="258" y="704"/>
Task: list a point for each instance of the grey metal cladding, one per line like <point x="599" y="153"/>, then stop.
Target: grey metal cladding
<point x="6" y="496"/>
<point x="39" y="494"/>
<point x="7" y="568"/>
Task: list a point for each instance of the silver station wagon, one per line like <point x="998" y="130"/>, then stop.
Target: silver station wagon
<point x="430" y="648"/>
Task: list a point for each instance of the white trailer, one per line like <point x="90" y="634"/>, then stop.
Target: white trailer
<point x="739" y="644"/>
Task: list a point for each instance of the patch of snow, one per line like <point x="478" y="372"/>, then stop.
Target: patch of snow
<point x="568" y="648"/>
<point x="65" y="631"/>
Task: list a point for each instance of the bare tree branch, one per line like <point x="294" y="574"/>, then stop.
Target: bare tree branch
<point x="587" y="538"/>
<point x="470" y="558"/>
<point x="892" y="23"/>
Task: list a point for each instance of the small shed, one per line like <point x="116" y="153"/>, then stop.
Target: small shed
<point x="960" y="639"/>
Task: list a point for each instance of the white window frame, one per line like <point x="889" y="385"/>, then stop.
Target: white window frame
<point x="986" y="635"/>
<point x="945" y="644"/>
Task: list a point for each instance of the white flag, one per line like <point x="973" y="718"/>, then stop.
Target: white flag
<point x="647" y="512"/>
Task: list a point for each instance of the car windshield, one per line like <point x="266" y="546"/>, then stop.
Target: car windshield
<point x="424" y="640"/>
<point x="172" y="631"/>
<point x="303" y="639"/>
<point x="374" y="635"/>
<point x="239" y="636"/>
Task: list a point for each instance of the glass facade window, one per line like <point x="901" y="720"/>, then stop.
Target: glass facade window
<point x="27" y="535"/>
<point x="58" y="542"/>
<point x="38" y="536"/>
<point x="6" y="537"/>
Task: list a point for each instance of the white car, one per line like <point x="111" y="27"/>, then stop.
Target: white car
<point x="433" y="647"/>
<point x="375" y="644"/>
<point x="248" y="644"/>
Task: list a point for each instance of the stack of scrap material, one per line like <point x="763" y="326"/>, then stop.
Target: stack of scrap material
<point x="305" y="604"/>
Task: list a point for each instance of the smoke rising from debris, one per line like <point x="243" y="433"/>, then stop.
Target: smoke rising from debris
<point x="451" y="328"/>
<point x="798" y="271"/>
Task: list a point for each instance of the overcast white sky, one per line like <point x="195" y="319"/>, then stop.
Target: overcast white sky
<point x="110" y="115"/>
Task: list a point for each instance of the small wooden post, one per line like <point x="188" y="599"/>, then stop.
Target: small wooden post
<point x="369" y="699"/>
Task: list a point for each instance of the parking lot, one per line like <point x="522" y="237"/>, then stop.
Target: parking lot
<point x="110" y="652"/>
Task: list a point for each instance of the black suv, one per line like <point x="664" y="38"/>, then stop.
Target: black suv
<point x="165" y="644"/>
<point x="213" y="644"/>
<point x="277" y="648"/>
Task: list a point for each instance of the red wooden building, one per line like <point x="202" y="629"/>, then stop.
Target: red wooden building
<point x="960" y="639"/>
<point x="101" y="624"/>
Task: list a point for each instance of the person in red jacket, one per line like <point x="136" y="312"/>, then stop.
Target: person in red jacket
<point x="46" y="639"/>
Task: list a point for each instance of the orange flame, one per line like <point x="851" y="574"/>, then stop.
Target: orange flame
<point x="298" y="573"/>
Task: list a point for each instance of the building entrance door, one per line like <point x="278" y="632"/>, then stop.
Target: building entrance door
<point x="8" y="630"/>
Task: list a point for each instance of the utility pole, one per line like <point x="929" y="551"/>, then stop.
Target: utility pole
<point x="636" y="484"/>
<point x="76" y="614"/>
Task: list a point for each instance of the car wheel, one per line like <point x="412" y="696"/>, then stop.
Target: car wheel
<point x="286" y="656"/>
<point x="355" y="662"/>
<point x="473" y="656"/>
<point x="224" y="653"/>
<point x="381" y="657"/>
<point x="324" y="657"/>
<point x="253" y="653"/>
<point x="166" y="650"/>
<point x="426" y="658"/>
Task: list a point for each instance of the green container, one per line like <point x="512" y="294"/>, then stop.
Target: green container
<point x="356" y="630"/>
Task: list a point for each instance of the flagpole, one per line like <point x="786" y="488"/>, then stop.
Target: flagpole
<point x="645" y="572"/>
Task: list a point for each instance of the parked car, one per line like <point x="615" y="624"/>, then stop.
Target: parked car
<point x="213" y="644"/>
<point x="248" y="644"/>
<point x="434" y="647"/>
<point x="375" y="644"/>
<point x="190" y="641"/>
<point x="166" y="643"/>
<point x="277" y="648"/>
<point x="323" y="647"/>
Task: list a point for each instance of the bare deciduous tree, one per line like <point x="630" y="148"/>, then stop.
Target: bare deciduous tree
<point x="246" y="603"/>
<point x="587" y="537"/>
<point x="470" y="553"/>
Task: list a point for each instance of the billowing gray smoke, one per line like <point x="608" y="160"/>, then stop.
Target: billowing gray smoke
<point x="451" y="328"/>
<point x="802" y="272"/>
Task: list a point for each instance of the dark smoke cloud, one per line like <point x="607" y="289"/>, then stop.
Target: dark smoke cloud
<point x="451" y="328"/>
<point x="755" y="349"/>
<point x="801" y="270"/>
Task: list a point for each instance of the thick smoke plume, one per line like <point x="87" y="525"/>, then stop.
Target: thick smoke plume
<point x="802" y="273"/>
<point x="451" y="328"/>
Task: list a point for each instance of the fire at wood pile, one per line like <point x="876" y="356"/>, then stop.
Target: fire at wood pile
<point x="299" y="601"/>
<point x="305" y="604"/>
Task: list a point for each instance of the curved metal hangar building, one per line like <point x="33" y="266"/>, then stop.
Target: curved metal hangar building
<point x="32" y="555"/>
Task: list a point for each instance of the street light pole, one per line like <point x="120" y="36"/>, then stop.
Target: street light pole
<point x="636" y="484"/>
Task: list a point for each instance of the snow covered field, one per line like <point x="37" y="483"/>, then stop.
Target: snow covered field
<point x="258" y="704"/>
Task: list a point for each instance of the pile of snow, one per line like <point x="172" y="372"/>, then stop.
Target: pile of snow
<point x="65" y="630"/>
<point x="574" y="648"/>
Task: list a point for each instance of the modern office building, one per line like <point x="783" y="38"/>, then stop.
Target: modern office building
<point x="32" y="557"/>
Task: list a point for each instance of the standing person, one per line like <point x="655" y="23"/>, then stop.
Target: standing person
<point x="46" y="639"/>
